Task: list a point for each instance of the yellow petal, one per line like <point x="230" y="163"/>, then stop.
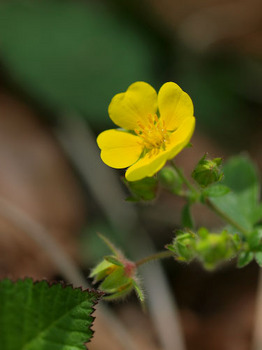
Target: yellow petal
<point x="151" y="164"/>
<point x="174" y="105"/>
<point x="134" y="105"/>
<point x="181" y="137"/>
<point x="119" y="149"/>
<point x="146" y="166"/>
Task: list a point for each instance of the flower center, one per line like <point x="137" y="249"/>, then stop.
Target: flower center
<point x="153" y="133"/>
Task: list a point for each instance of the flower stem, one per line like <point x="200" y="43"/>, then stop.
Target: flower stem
<point x="160" y="255"/>
<point x="184" y="179"/>
<point x="225" y="217"/>
<point x="209" y="204"/>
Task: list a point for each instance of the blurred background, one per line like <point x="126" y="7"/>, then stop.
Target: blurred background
<point x="61" y="62"/>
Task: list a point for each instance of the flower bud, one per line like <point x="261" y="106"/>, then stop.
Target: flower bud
<point x="183" y="246"/>
<point x="170" y="179"/>
<point x="207" y="171"/>
<point x="117" y="275"/>
<point x="142" y="190"/>
<point x="116" y="278"/>
<point x="214" y="248"/>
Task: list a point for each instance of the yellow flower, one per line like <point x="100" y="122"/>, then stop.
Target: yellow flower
<point x="154" y="128"/>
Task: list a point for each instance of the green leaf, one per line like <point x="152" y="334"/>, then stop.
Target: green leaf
<point x="254" y="239"/>
<point x="73" y="55"/>
<point x="139" y="292"/>
<point x="241" y="204"/>
<point x="187" y="219"/>
<point x="244" y="259"/>
<point x="217" y="190"/>
<point x="258" y="258"/>
<point x="113" y="260"/>
<point x="38" y="316"/>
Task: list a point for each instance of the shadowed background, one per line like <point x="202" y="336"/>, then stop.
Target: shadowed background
<point x="61" y="62"/>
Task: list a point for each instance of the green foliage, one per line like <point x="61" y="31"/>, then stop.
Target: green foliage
<point x="72" y="55"/>
<point x="36" y="316"/>
<point x="242" y="202"/>
<point x="258" y="258"/>
<point x="216" y="190"/>
<point x="244" y="259"/>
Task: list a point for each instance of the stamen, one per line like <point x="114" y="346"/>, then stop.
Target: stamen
<point x="153" y="133"/>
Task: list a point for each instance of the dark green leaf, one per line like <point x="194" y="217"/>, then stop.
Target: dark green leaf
<point x="258" y="258"/>
<point x="244" y="259"/>
<point x="217" y="190"/>
<point x="241" y="204"/>
<point x="254" y="239"/>
<point x="39" y="316"/>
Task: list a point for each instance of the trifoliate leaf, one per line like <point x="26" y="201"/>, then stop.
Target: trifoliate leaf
<point x="38" y="316"/>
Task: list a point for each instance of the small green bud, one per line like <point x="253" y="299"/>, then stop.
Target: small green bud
<point x="116" y="274"/>
<point x="170" y="179"/>
<point x="207" y="171"/>
<point x="144" y="189"/>
<point x="213" y="248"/>
<point x="183" y="246"/>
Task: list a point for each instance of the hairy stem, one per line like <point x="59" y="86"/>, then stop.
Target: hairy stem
<point x="184" y="179"/>
<point x="157" y="256"/>
<point x="209" y="203"/>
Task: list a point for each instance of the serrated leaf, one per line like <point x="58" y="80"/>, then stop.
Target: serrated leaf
<point x="187" y="219"/>
<point x="217" y="190"/>
<point x="241" y="204"/>
<point x="244" y="259"/>
<point x="36" y="316"/>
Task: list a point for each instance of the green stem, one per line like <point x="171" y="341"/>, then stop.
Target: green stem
<point x="184" y="179"/>
<point x="225" y="217"/>
<point x="160" y="255"/>
<point x="208" y="203"/>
